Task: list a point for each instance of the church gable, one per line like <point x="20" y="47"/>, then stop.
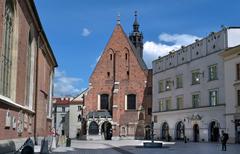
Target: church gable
<point x="118" y="60"/>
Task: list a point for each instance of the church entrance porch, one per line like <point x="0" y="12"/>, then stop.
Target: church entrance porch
<point x="99" y="125"/>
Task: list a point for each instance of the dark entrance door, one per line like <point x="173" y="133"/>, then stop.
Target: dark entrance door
<point x="180" y="132"/>
<point x="237" y="127"/>
<point x="107" y="130"/>
<point x="165" y="131"/>
<point x="214" y="131"/>
<point x="195" y="133"/>
<point x="93" y="128"/>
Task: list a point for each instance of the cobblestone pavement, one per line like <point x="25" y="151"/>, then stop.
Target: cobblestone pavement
<point x="135" y="147"/>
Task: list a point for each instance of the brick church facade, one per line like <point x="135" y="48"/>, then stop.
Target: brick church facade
<point x="119" y="97"/>
<point x="27" y="66"/>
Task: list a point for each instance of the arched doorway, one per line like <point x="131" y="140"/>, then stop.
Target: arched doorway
<point x="106" y="130"/>
<point x="147" y="132"/>
<point x="214" y="131"/>
<point x="180" y="131"/>
<point x="165" y="131"/>
<point x="93" y="128"/>
<point x="195" y="133"/>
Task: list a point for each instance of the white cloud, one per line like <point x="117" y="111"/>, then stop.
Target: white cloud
<point x="86" y="32"/>
<point x="167" y="42"/>
<point x="64" y="85"/>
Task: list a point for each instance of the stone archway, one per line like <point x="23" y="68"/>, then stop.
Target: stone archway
<point x="180" y="130"/>
<point x="165" y="131"/>
<point x="214" y="131"/>
<point x="106" y="130"/>
<point x="93" y="128"/>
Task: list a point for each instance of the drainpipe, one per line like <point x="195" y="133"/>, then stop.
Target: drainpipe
<point x="36" y="89"/>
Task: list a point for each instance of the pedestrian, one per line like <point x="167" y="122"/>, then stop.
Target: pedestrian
<point x="224" y="139"/>
<point x="185" y="139"/>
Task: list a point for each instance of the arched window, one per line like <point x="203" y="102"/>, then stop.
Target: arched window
<point x="104" y="102"/>
<point x="131" y="102"/>
<point x="6" y="55"/>
<point x="93" y="128"/>
<point x="30" y="68"/>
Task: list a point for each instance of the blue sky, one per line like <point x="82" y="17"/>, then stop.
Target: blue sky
<point x="78" y="30"/>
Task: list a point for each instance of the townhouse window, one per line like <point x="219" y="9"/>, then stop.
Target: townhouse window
<point x="63" y="109"/>
<point x="195" y="100"/>
<point x="195" y="77"/>
<point x="179" y="80"/>
<point x="160" y="86"/>
<point x="168" y="104"/>
<point x="161" y="105"/>
<point x="238" y="71"/>
<point x="79" y="108"/>
<point x="131" y="102"/>
<point x="180" y="102"/>
<point x="6" y="52"/>
<point x="238" y="97"/>
<point x="168" y="86"/>
<point x="213" y="97"/>
<point x="212" y="71"/>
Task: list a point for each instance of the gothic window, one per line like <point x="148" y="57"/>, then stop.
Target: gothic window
<point x="30" y="70"/>
<point x="110" y="56"/>
<point x="6" y="55"/>
<point x="131" y="101"/>
<point x="104" y="101"/>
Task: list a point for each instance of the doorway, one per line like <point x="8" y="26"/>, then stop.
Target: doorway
<point x="107" y="130"/>
<point x="214" y="131"/>
<point x="180" y="131"/>
<point x="195" y="133"/>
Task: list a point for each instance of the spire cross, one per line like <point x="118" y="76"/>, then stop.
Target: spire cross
<point x="135" y="14"/>
<point x="118" y="18"/>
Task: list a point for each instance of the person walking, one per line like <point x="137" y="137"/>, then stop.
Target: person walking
<point x="224" y="139"/>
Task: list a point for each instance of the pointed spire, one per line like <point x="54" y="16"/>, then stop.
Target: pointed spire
<point x="118" y="19"/>
<point x="135" y="24"/>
